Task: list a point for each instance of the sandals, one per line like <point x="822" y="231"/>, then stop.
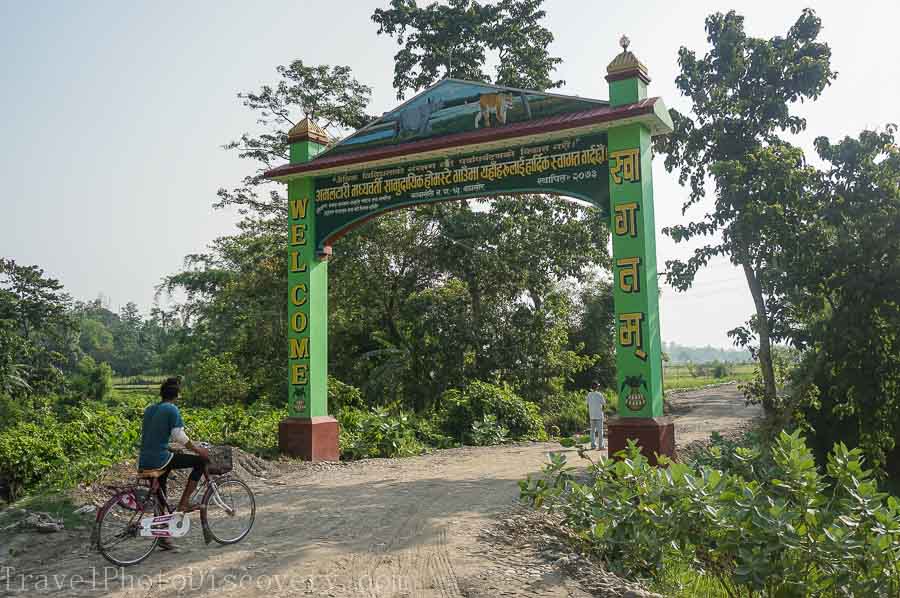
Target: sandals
<point x="168" y="545"/>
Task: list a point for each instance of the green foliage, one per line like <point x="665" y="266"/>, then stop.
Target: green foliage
<point x="92" y="380"/>
<point x="772" y="526"/>
<point x="57" y="448"/>
<point x="462" y="409"/>
<point x="713" y="369"/>
<point x="849" y="385"/>
<point x="215" y="380"/>
<point x="451" y="40"/>
<point x="343" y="396"/>
<point x="488" y="432"/>
<point x="54" y="452"/>
<point x="377" y="433"/>
<point x="565" y="413"/>
<point x="741" y="93"/>
<point x="253" y="428"/>
<point x="594" y="329"/>
<point x="470" y="295"/>
<point x="38" y="339"/>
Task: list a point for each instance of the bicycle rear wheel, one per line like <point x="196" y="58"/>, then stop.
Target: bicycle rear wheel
<point x="118" y="530"/>
<point x="230" y="511"/>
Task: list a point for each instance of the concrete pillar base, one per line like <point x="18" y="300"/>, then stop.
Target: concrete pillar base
<point x="310" y="438"/>
<point x="655" y="435"/>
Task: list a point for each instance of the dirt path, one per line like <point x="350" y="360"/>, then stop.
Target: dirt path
<point x="382" y="528"/>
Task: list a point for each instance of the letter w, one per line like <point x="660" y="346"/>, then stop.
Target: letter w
<point x="298" y="208"/>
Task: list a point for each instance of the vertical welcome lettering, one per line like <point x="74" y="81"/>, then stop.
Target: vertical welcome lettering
<point x="634" y="257"/>
<point x="299" y="253"/>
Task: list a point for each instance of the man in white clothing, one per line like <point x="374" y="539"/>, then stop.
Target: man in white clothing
<point x="596" y="401"/>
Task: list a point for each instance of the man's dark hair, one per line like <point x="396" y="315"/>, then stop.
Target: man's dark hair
<point x="170" y="389"/>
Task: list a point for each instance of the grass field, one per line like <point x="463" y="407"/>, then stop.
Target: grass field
<point x="679" y="376"/>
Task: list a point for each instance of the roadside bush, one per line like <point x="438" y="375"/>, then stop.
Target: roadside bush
<point x="778" y="528"/>
<point x="215" y="380"/>
<point x="377" y="433"/>
<point x="429" y="432"/>
<point x="55" y="453"/>
<point x="253" y="428"/>
<point x="92" y="380"/>
<point x="489" y="432"/>
<point x="565" y="413"/>
<point x="59" y="448"/>
<point x="461" y="409"/>
<point x="342" y="396"/>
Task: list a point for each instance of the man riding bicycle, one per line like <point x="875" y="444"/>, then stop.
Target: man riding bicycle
<point x="163" y="424"/>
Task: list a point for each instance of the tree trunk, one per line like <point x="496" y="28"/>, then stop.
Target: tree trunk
<point x="765" y="345"/>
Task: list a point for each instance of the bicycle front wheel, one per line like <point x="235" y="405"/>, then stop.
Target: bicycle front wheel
<point x="230" y="511"/>
<point x="118" y="530"/>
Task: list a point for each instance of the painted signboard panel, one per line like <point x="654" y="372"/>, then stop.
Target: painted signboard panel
<point x="454" y="106"/>
<point x="575" y="167"/>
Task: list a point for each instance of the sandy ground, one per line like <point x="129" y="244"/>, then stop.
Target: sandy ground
<point x="380" y="528"/>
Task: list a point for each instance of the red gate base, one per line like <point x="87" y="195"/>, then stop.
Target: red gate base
<point x="310" y="438"/>
<point x="655" y="435"/>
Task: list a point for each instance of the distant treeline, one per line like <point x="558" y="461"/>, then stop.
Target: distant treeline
<point x="681" y="354"/>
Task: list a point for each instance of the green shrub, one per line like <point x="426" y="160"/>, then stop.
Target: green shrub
<point x="377" y="433"/>
<point x="460" y="410"/>
<point x="29" y="452"/>
<point x="781" y="528"/>
<point x="565" y="413"/>
<point x="429" y="432"/>
<point x="92" y="380"/>
<point x="342" y="396"/>
<point x="253" y="428"/>
<point x="57" y="449"/>
<point x="489" y="432"/>
<point x="55" y="453"/>
<point x="215" y="380"/>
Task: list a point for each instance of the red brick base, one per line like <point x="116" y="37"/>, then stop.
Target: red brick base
<point x="310" y="438"/>
<point x="655" y="435"/>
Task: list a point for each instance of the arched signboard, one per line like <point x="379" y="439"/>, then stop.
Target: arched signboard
<point x="462" y="139"/>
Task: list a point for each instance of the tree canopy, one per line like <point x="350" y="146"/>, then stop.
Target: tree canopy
<point x="742" y="92"/>
<point x="456" y="39"/>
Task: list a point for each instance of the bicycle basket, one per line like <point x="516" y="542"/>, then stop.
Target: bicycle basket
<point x="219" y="460"/>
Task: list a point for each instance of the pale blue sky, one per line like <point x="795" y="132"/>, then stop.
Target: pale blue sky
<point x="114" y="114"/>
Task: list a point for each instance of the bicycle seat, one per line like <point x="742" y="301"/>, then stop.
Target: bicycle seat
<point x="151" y="473"/>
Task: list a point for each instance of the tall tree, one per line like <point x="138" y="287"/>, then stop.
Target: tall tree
<point x="235" y="290"/>
<point x="455" y="39"/>
<point x="849" y="287"/>
<point x="742" y="92"/>
<point x="329" y="94"/>
<point x="35" y="309"/>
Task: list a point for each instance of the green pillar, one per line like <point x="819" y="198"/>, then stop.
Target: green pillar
<point x="635" y="290"/>
<point x="308" y="432"/>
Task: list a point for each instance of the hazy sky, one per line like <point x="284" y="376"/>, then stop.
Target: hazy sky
<point x="114" y="114"/>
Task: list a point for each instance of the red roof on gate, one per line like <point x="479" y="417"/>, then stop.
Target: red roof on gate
<point x="560" y="122"/>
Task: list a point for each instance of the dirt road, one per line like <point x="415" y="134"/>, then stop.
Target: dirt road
<point x="381" y="528"/>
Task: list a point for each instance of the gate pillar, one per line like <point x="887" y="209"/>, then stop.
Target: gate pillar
<point x="308" y="432"/>
<point x="635" y="291"/>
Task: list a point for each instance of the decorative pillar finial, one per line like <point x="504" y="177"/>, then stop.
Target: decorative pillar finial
<point x="626" y="65"/>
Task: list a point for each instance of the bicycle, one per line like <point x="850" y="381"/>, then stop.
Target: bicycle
<point x="137" y="516"/>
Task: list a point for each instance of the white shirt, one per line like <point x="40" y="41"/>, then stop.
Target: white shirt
<point x="596" y="401"/>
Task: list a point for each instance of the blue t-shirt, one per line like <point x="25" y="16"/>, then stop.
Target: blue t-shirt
<point x="159" y="421"/>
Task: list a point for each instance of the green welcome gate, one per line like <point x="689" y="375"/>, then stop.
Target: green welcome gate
<point x="462" y="139"/>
